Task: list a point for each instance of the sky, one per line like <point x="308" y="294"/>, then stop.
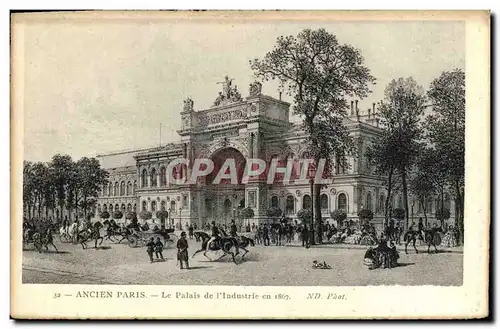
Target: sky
<point x="92" y="88"/>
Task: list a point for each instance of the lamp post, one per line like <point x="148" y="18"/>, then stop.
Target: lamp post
<point x="180" y="217"/>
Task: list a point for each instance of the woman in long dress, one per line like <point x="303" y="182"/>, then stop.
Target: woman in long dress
<point x="450" y="239"/>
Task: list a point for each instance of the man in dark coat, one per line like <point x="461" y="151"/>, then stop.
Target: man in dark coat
<point x="191" y="231"/>
<point x="305" y="236"/>
<point x="265" y="234"/>
<point x="233" y="229"/>
<point x="215" y="234"/>
<point x="150" y="248"/>
<point x="158" y="248"/>
<point x="182" y="251"/>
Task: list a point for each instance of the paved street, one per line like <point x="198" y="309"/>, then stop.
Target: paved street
<point x="291" y="265"/>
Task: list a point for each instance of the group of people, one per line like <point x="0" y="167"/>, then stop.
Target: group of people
<point x="156" y="247"/>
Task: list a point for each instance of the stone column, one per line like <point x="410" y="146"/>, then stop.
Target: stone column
<point x="360" y="155"/>
<point x="250" y="145"/>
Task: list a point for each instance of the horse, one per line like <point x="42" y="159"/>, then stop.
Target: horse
<point x="432" y="237"/>
<point x="92" y="233"/>
<point x="112" y="230"/>
<point x="243" y="242"/>
<point x="224" y="243"/>
<point x="28" y="232"/>
<point x="44" y="239"/>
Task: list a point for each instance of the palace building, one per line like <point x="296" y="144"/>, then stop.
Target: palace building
<point x="257" y="126"/>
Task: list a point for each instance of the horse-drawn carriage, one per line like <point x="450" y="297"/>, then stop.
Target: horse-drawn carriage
<point x="140" y="238"/>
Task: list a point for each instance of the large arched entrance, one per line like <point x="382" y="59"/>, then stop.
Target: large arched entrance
<point x="223" y="196"/>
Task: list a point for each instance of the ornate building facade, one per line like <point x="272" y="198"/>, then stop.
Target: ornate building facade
<point x="257" y="126"/>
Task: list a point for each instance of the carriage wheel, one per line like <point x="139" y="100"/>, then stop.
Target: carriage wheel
<point x="172" y="238"/>
<point x="132" y="241"/>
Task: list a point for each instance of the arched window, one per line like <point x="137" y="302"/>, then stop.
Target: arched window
<point x="135" y="207"/>
<point x="129" y="188"/>
<point x="290" y="205"/>
<point x="115" y="192"/>
<point x="117" y="207"/>
<point x="99" y="208"/>
<point x="447" y="201"/>
<point x="110" y="189"/>
<point x="162" y="205"/>
<point x="153" y="206"/>
<point x="110" y="207"/>
<point x="381" y="204"/>
<point x="122" y="188"/>
<point x="323" y="200"/>
<point x="153" y="177"/>
<point x="104" y="189"/>
<point x="306" y="202"/>
<point x="129" y="207"/>
<point x="342" y="202"/>
<point x="135" y="187"/>
<point x="144" y="178"/>
<point x="173" y="207"/>
<point x="144" y="205"/>
<point x="123" y="207"/>
<point x="369" y="205"/>
<point x="274" y="201"/>
<point x="104" y="207"/>
<point x="163" y="176"/>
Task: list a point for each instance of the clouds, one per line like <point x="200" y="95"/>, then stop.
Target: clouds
<point x="94" y="88"/>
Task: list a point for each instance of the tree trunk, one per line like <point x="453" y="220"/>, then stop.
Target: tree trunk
<point x="460" y="216"/>
<point x="317" y="205"/>
<point x="39" y="206"/>
<point x="405" y="198"/>
<point x="388" y="199"/>
<point x="425" y="211"/>
<point x="85" y="207"/>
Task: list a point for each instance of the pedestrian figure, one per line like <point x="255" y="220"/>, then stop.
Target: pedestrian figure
<point x="158" y="248"/>
<point x="233" y="229"/>
<point x="191" y="232"/>
<point x="265" y="235"/>
<point x="150" y="248"/>
<point x="305" y="236"/>
<point x="182" y="251"/>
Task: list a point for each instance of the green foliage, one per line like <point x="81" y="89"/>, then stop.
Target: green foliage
<point x="247" y="213"/>
<point x="338" y="215"/>
<point x="305" y="215"/>
<point x="104" y="215"/>
<point x="145" y="215"/>
<point x="365" y="214"/>
<point x="131" y="215"/>
<point x="117" y="214"/>
<point x="274" y="212"/>
<point x="398" y="213"/>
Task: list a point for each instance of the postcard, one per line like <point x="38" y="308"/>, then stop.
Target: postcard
<point x="250" y="165"/>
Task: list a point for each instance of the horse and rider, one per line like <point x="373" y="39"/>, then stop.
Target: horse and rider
<point x="219" y="240"/>
<point x="429" y="236"/>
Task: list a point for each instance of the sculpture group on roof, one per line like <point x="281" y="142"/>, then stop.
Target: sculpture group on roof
<point x="229" y="93"/>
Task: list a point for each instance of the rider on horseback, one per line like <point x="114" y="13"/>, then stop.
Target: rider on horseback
<point x="233" y="229"/>
<point x="215" y="234"/>
<point x="421" y="230"/>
